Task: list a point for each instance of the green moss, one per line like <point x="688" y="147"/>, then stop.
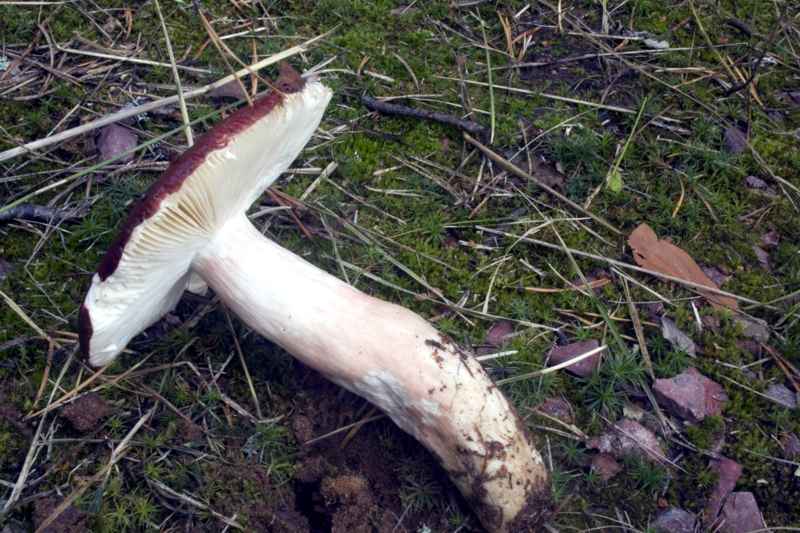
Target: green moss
<point x="708" y="432"/>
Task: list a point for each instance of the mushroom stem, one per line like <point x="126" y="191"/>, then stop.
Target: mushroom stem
<point x="393" y="358"/>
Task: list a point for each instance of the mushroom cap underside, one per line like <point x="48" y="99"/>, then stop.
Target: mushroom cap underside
<point x="146" y="270"/>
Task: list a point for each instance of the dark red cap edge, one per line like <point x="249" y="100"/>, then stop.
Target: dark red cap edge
<point x="184" y="166"/>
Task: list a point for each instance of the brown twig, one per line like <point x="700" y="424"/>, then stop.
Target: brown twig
<point x="40" y="213"/>
<point x="386" y="108"/>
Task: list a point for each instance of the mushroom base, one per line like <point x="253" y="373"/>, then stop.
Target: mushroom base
<point x="393" y="358"/>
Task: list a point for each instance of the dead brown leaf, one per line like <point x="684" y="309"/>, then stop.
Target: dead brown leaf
<point x="664" y="257"/>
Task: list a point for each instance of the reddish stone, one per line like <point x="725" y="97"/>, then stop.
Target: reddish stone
<point x="675" y="520"/>
<point x="782" y="395"/>
<point x="229" y="91"/>
<point x="114" y="140"/>
<point x="770" y="239"/>
<point x="735" y="140"/>
<point x="791" y="445"/>
<point x="762" y="256"/>
<point x="753" y="328"/>
<point x="711" y="322"/>
<point x="653" y="311"/>
<point x="557" y="408"/>
<point x="728" y="472"/>
<point x="606" y="466"/>
<point x="583" y="368"/>
<point x="496" y="336"/>
<point x="748" y="345"/>
<point x="71" y="519"/>
<point x="690" y="395"/>
<point x="754" y="182"/>
<point x="716" y="275"/>
<point x="5" y="268"/>
<point x="628" y="438"/>
<point x="86" y="412"/>
<point x="741" y="514"/>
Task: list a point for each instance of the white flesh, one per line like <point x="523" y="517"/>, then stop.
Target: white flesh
<point x="388" y="355"/>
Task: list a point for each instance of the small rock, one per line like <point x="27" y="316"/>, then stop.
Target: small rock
<point x="5" y="269"/>
<point x="71" y="520"/>
<point x="86" y="412"/>
<point x="782" y="395"/>
<point x="583" y="368"/>
<point x="735" y="140"/>
<point x="190" y="432"/>
<point x="676" y="337"/>
<point x="606" y="466"/>
<point x="728" y="472"/>
<point x="557" y="408"/>
<point x="762" y="256"/>
<point x="741" y="514"/>
<point x="790" y="443"/>
<point x="790" y="97"/>
<point x="770" y="239"/>
<point x="496" y="336"/>
<point x="718" y="276"/>
<point x="230" y="91"/>
<point x="753" y="328"/>
<point x="711" y="322"/>
<point x="748" y="345"/>
<point x="675" y="520"/>
<point x="114" y="140"/>
<point x="628" y="438"/>
<point x="654" y="310"/>
<point x="753" y="182"/>
<point x="303" y="428"/>
<point x="549" y="174"/>
<point x="690" y="395"/>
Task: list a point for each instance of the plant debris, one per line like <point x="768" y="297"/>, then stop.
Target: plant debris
<point x="662" y="256"/>
<point x="678" y="339"/>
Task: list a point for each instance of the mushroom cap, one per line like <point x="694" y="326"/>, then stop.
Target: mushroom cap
<point x="147" y="268"/>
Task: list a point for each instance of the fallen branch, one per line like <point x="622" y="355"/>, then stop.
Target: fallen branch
<point x="468" y="126"/>
<point x="40" y="213"/>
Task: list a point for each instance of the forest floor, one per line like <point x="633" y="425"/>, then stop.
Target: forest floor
<point x="682" y="117"/>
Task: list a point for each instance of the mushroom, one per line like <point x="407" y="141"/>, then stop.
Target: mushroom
<point x="191" y="228"/>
